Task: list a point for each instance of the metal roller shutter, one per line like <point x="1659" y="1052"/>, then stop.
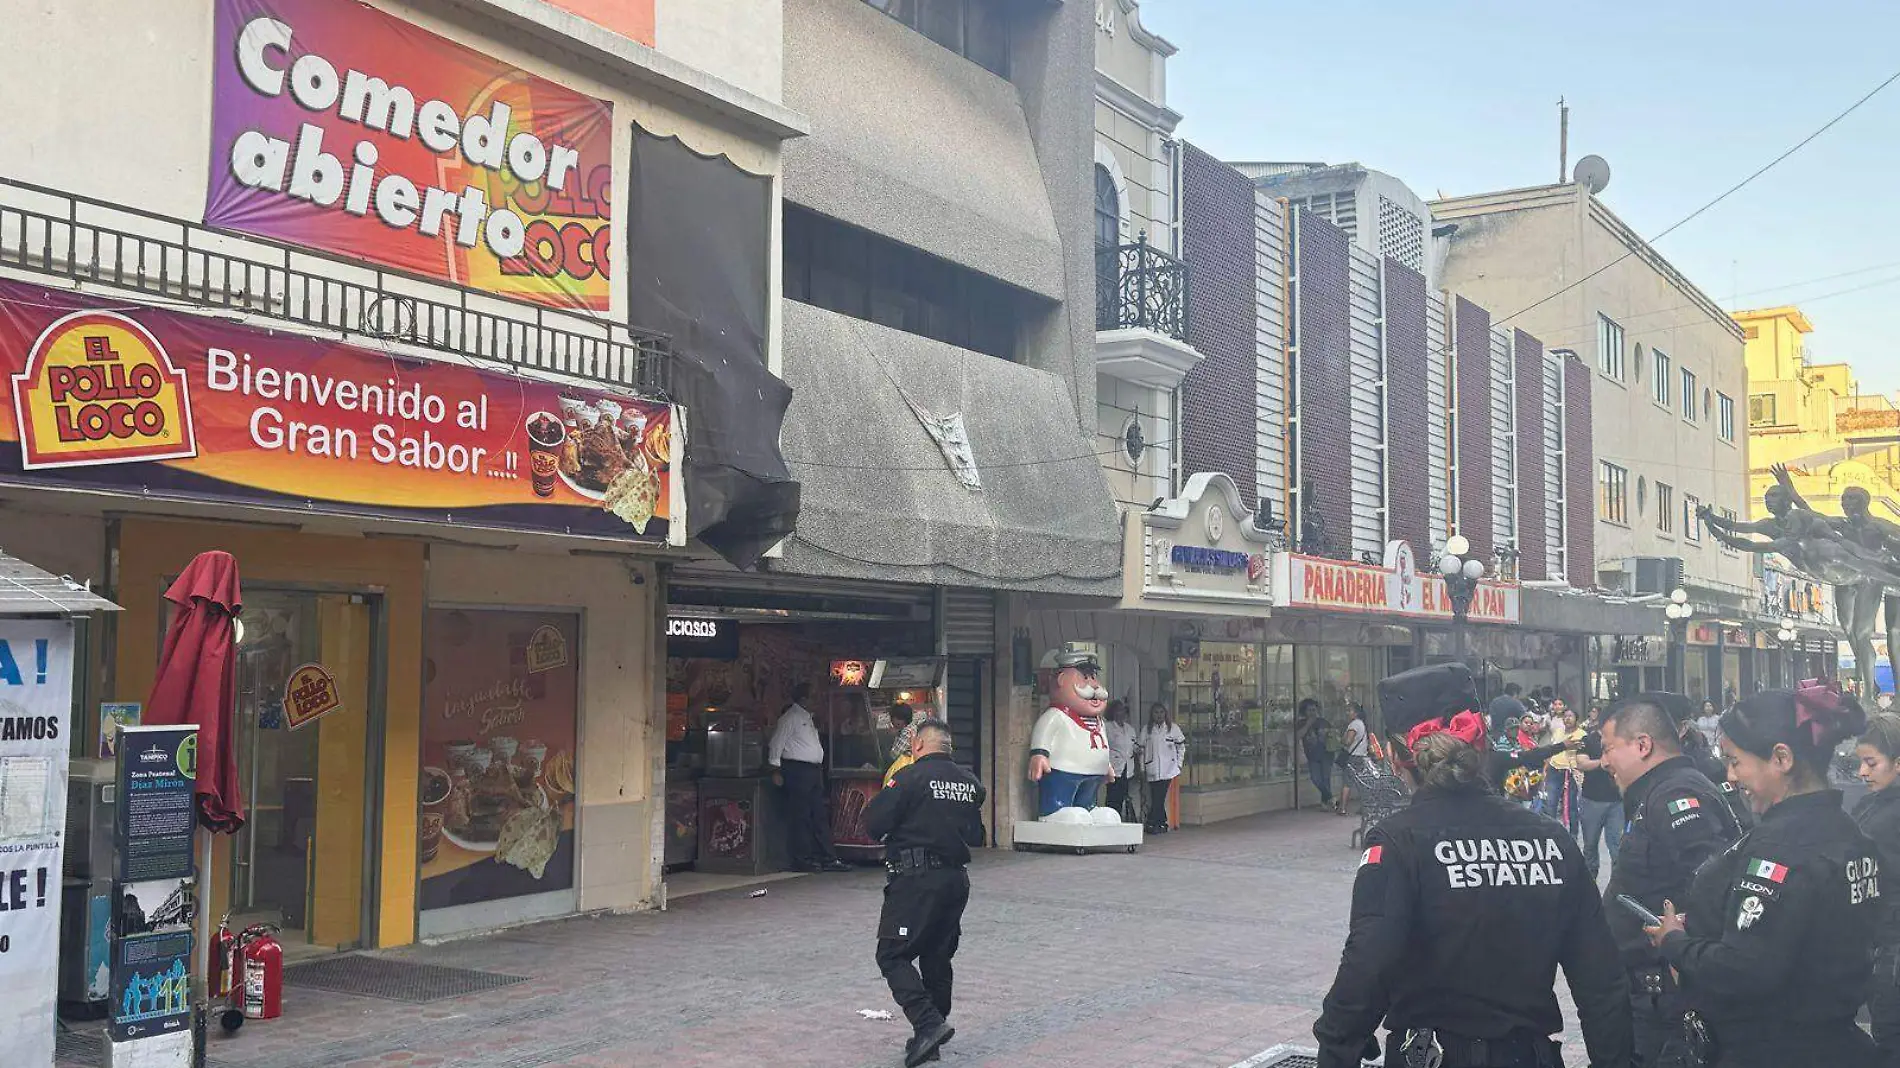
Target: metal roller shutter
<point x="963" y="704"/>
<point x="969" y="622"/>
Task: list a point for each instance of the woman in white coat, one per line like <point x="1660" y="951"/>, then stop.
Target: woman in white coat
<point x="1163" y="750"/>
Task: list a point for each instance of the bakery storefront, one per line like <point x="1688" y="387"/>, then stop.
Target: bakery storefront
<point x="446" y="660"/>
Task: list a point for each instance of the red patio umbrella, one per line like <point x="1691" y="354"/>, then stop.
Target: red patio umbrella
<point x="195" y="682"/>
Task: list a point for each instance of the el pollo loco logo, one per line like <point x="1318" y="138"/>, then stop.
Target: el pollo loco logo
<point x="99" y="389"/>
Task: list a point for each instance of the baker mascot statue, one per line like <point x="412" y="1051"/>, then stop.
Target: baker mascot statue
<point x="1068" y="753"/>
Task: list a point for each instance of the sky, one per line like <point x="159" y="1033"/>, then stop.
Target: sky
<point x="1684" y="98"/>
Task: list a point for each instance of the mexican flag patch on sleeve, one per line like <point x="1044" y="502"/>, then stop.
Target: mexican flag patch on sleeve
<point x="1372" y="856"/>
<point x="1767" y="869"/>
<point x="1687" y="804"/>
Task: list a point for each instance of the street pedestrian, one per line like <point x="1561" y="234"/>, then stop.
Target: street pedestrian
<point x="1773" y="947"/>
<point x="928" y="818"/>
<point x="1560" y="785"/>
<point x="1464" y="907"/>
<point x="1313" y="745"/>
<point x="1600" y="802"/>
<point x="1676" y="820"/>
<point x="1121" y="754"/>
<point x="1353" y="752"/>
<point x="797" y="758"/>
<point x="903" y="717"/>
<point x="1507" y="706"/>
<point x="1878" y="815"/>
<point x="1699" y="745"/>
<point x="1163" y="753"/>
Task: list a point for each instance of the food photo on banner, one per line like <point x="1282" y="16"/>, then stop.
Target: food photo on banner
<point x="36" y="696"/>
<point x="163" y="404"/>
<point x="500" y="702"/>
<point x="338" y="127"/>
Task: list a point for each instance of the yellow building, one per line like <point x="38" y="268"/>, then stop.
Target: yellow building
<point x="1814" y="418"/>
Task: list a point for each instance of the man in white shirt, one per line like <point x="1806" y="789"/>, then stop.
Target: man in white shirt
<point x="1163" y="752"/>
<point x="1121" y="752"/>
<point x="797" y="757"/>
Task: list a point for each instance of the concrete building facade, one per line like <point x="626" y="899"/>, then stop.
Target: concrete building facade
<point x="1668" y="378"/>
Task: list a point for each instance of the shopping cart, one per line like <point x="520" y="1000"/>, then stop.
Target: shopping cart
<point x="1380" y="794"/>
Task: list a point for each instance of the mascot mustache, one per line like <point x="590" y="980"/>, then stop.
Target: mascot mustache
<point x="1091" y="690"/>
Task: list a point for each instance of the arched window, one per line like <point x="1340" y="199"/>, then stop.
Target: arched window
<point x="1108" y="210"/>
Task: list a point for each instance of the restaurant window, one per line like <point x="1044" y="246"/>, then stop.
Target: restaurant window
<point x="1761" y="409"/>
<point x="1613" y="488"/>
<point x="1610" y="347"/>
<point x="854" y="272"/>
<point x="977" y="30"/>
<point x="1665" y="508"/>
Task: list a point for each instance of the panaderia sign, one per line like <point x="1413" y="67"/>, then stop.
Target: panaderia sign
<point x="1396" y="588"/>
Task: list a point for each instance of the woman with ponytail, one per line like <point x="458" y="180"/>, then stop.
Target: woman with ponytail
<point x="1464" y="907"/>
<point x="1878" y="815"/>
<point x="1773" y="946"/>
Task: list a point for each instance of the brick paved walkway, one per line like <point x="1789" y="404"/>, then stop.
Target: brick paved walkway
<point x="1208" y="947"/>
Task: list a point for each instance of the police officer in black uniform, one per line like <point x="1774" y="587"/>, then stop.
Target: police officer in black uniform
<point x="928" y="817"/>
<point x="1464" y="907"/>
<point x="1700" y="750"/>
<point x="1773" y="946"/>
<point x="1677" y="819"/>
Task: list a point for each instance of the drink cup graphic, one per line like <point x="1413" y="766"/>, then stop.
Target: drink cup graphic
<point x="546" y="435"/>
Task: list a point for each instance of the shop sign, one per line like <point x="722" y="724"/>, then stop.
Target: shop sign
<point x="310" y="693"/>
<point x="1199" y="547"/>
<point x="702" y="639"/>
<point x="162" y="404"/>
<point x="850" y="674"/>
<point x="36" y="696"/>
<point x="341" y="128"/>
<point x="1395" y="588"/>
<point x="498" y="754"/>
<point x="1638" y="649"/>
<point x="155" y="894"/>
<point x="1703" y="634"/>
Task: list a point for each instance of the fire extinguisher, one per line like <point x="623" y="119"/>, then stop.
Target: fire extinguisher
<point x="263" y="972"/>
<point x="222" y="965"/>
<point x="253" y="981"/>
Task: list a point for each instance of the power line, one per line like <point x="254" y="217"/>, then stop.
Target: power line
<point x="1724" y="195"/>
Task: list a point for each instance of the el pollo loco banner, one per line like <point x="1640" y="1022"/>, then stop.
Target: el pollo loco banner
<point x="165" y="404"/>
<point x="338" y="127"/>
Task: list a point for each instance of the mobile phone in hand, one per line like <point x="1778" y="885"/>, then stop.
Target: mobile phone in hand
<point x="1649" y="918"/>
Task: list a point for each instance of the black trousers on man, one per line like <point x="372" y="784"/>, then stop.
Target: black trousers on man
<point x="917" y="934"/>
<point x="1655" y="1018"/>
<point x="1118" y="795"/>
<point x="1158" y="804"/>
<point x="1883" y="1004"/>
<point x="807" y="815"/>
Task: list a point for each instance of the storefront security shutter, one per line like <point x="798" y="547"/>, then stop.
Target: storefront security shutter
<point x="969" y="622"/>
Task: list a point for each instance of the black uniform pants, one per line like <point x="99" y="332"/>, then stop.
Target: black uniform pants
<point x="917" y="934"/>
<point x="1118" y="795"/>
<point x="807" y="816"/>
<point x="1883" y="1003"/>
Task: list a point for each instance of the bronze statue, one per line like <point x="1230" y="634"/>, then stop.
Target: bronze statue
<point x="1854" y="553"/>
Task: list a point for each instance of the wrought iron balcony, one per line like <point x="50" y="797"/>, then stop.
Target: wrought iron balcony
<point x="51" y="232"/>
<point x="1140" y="287"/>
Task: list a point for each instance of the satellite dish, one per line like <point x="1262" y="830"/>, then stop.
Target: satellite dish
<point x="1593" y="173"/>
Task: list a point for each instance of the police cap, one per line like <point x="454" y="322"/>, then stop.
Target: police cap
<point x="1425" y="693"/>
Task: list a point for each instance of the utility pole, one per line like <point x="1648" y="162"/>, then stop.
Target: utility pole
<point x="1563" y="141"/>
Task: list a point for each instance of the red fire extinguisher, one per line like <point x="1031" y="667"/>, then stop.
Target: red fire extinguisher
<point x="263" y="972"/>
<point x="222" y="965"/>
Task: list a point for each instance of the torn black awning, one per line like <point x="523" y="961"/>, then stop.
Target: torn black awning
<point x="698" y="248"/>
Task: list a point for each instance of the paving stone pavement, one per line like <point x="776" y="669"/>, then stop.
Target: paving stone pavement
<point x="1206" y="948"/>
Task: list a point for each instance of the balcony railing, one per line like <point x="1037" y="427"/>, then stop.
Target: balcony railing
<point x="92" y="241"/>
<point x="1140" y="287"/>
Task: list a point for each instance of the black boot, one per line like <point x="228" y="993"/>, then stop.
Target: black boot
<point x="923" y="1046"/>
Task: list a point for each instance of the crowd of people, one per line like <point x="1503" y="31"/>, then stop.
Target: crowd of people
<point x="1742" y="923"/>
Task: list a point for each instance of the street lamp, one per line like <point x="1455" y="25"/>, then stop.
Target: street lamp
<point x="1787" y="636"/>
<point x="1462" y="572"/>
<point x="1679" y="610"/>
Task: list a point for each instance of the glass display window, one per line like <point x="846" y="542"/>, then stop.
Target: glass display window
<point x="1217" y="701"/>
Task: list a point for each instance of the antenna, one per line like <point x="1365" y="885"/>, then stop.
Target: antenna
<point x="1593" y="173"/>
<point x="1563" y="139"/>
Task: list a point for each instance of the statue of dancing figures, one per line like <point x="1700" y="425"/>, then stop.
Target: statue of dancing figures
<point x="1834" y="551"/>
<point x="1859" y="525"/>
